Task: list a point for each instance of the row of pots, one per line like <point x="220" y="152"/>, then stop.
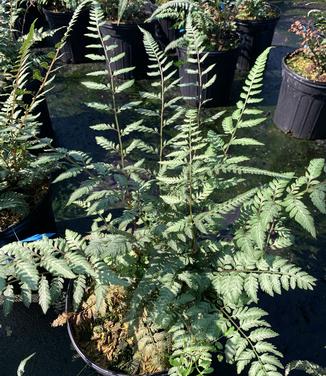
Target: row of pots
<point x="256" y="36"/>
<point x="301" y="108"/>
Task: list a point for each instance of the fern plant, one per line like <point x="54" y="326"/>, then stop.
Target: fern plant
<point x="24" y="167"/>
<point x="214" y="19"/>
<point x="111" y="181"/>
<point x="188" y="290"/>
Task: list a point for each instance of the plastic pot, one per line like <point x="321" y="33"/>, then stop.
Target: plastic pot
<point x="75" y="49"/>
<point x="25" y="19"/>
<point x="128" y="39"/>
<point x="40" y="220"/>
<point x="255" y="37"/>
<point x="166" y="32"/>
<point x="89" y="362"/>
<point x="46" y="129"/>
<point x="301" y="106"/>
<point x="219" y="92"/>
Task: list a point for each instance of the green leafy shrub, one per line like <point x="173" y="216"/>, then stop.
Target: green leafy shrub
<point x="255" y="10"/>
<point x="191" y="285"/>
<point x="310" y="61"/>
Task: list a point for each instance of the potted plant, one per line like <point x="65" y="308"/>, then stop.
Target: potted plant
<point x="58" y="15"/>
<point x="9" y="50"/>
<point x="26" y="158"/>
<point x="256" y="21"/>
<point x="25" y="13"/>
<point x="121" y="28"/>
<point x="218" y="41"/>
<point x="170" y="24"/>
<point x="160" y="287"/>
<point x="301" y="106"/>
<point x="24" y="175"/>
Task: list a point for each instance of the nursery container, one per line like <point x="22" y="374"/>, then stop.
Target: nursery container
<point x="30" y="13"/>
<point x="255" y="37"/>
<point x="166" y="32"/>
<point x="100" y="370"/>
<point x="40" y="220"/>
<point x="75" y="49"/>
<point x="46" y="129"/>
<point x="301" y="106"/>
<point x="219" y="92"/>
<point x="128" y="39"/>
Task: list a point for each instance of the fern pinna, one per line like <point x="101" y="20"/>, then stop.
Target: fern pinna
<point x="196" y="288"/>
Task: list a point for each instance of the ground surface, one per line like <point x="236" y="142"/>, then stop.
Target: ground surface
<point x="298" y="317"/>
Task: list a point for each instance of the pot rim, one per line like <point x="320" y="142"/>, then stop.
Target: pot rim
<point x="304" y="80"/>
<point x="57" y="13"/>
<point x="114" y="25"/>
<point x="90" y="363"/>
<point x="232" y="50"/>
<point x="264" y="21"/>
<point x="30" y="214"/>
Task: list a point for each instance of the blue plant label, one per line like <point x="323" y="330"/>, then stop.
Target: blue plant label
<point x="37" y="237"/>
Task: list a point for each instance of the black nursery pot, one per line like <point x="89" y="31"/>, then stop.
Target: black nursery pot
<point x="75" y="49"/>
<point x="89" y="362"/>
<point x="166" y="32"/>
<point x="31" y="13"/>
<point x="219" y="92"/>
<point x="301" y="106"/>
<point x="129" y="39"/>
<point x="46" y="129"/>
<point x="40" y="220"/>
<point x="255" y="37"/>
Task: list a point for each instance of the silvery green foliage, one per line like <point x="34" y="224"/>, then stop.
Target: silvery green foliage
<point x="23" y="166"/>
<point x="304" y="365"/>
<point x="168" y="247"/>
<point x="9" y="47"/>
<point x="123" y="143"/>
<point x="22" y="365"/>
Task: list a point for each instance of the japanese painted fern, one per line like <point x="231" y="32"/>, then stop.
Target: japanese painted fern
<point x="195" y="280"/>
